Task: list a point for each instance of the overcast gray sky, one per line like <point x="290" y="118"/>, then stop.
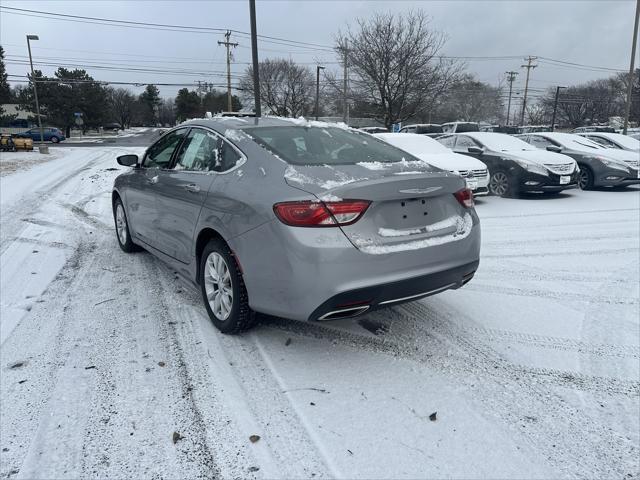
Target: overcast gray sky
<point x="592" y="32"/>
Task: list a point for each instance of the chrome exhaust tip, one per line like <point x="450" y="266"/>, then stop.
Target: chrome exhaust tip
<point x="344" y="313"/>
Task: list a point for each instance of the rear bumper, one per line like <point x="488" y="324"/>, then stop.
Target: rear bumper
<point x="356" y="302"/>
<point x="302" y="273"/>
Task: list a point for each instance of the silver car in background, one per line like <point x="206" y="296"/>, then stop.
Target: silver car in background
<point x="296" y="219"/>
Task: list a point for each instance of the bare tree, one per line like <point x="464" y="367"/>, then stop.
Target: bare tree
<point x="538" y="114"/>
<point x="394" y="64"/>
<point x="286" y="88"/>
<point x="593" y="102"/>
<point x="469" y="100"/>
<point x="121" y="103"/>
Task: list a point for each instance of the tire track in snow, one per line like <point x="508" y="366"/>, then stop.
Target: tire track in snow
<point x="539" y="293"/>
<point x="29" y="206"/>
<point x="287" y="448"/>
<point x="499" y="385"/>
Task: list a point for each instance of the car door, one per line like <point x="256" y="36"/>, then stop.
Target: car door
<point x="141" y="196"/>
<point x="182" y="190"/>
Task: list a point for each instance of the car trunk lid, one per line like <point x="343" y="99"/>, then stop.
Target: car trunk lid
<point x="412" y="204"/>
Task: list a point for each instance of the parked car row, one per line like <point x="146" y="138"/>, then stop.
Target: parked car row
<point x="534" y="162"/>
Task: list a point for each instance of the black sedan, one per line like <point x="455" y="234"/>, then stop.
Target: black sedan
<point x="599" y="166"/>
<point x="514" y="165"/>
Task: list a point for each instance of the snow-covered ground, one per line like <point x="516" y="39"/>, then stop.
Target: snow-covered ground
<point x="110" y="368"/>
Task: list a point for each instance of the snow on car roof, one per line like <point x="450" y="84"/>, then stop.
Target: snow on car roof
<point x="570" y="140"/>
<point x="499" y="141"/>
<point x="413" y="143"/>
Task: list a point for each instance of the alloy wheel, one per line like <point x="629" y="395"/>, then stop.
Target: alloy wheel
<point x="218" y="286"/>
<point x="121" y="224"/>
<point x="583" y="179"/>
<point x="499" y="184"/>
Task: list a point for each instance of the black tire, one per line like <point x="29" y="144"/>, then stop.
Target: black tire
<point x="585" y="178"/>
<point x="126" y="244"/>
<point x="501" y="184"/>
<point x="240" y="316"/>
<point x="55" y="139"/>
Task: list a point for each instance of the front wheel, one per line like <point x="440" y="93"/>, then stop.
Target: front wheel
<point x="55" y="139"/>
<point x="122" y="228"/>
<point x="585" y="180"/>
<point x="223" y="290"/>
<point x="500" y="184"/>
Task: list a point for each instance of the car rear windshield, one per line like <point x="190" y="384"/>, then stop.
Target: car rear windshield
<point x="467" y="127"/>
<point x="312" y="145"/>
<point x="429" y="129"/>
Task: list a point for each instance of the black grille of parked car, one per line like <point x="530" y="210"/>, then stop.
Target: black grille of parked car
<point x="560" y="169"/>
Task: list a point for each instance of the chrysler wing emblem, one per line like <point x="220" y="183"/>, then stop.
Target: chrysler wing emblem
<point x="420" y="190"/>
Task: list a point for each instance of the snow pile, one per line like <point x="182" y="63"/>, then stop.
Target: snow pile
<point x="295" y="176"/>
<point x="328" y="197"/>
<point x="303" y="122"/>
<point x="11" y="162"/>
<point x="374" y="165"/>
<point x="463" y="225"/>
<point x="234" y="135"/>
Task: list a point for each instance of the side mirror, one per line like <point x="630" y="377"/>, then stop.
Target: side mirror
<point x="128" y="160"/>
<point x="477" y="150"/>
<point x="554" y="149"/>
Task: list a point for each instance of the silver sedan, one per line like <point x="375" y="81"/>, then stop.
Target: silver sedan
<point x="296" y="219"/>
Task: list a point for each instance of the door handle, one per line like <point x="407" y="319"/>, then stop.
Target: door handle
<point x="153" y="180"/>
<point x="192" y="187"/>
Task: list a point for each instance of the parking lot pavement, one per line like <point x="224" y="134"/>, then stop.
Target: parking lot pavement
<point x="110" y="367"/>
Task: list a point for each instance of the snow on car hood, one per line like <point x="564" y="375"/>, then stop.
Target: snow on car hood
<point x="542" y="157"/>
<point x="452" y="161"/>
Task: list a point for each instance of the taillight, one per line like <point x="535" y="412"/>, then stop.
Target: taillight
<point x="320" y="214"/>
<point x="465" y="197"/>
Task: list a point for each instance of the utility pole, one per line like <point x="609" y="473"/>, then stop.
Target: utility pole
<point x="631" y="67"/>
<point x="35" y="90"/>
<point x="318" y="68"/>
<point x="555" y="108"/>
<point x="228" y="44"/>
<point x="511" y="76"/>
<point x="254" y="58"/>
<point x="345" y="84"/>
<point x="528" y="66"/>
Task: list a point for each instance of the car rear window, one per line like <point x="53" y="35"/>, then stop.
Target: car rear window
<point x="429" y="129"/>
<point x="312" y="145"/>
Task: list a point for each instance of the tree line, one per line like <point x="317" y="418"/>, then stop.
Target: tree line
<point x="396" y="73"/>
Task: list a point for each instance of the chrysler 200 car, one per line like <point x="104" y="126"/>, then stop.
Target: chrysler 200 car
<point x="300" y="220"/>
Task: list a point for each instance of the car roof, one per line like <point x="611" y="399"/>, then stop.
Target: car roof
<point x="481" y="135"/>
<point x="221" y="124"/>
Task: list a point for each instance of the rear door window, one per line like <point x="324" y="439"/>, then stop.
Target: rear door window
<point x="197" y="152"/>
<point x="160" y="153"/>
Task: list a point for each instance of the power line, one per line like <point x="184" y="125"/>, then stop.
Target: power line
<point x="157" y="26"/>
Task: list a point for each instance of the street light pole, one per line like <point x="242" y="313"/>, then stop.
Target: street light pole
<point x="318" y="68"/>
<point x="254" y="58"/>
<point x="630" y="80"/>
<point x="555" y="109"/>
<point x="35" y="90"/>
